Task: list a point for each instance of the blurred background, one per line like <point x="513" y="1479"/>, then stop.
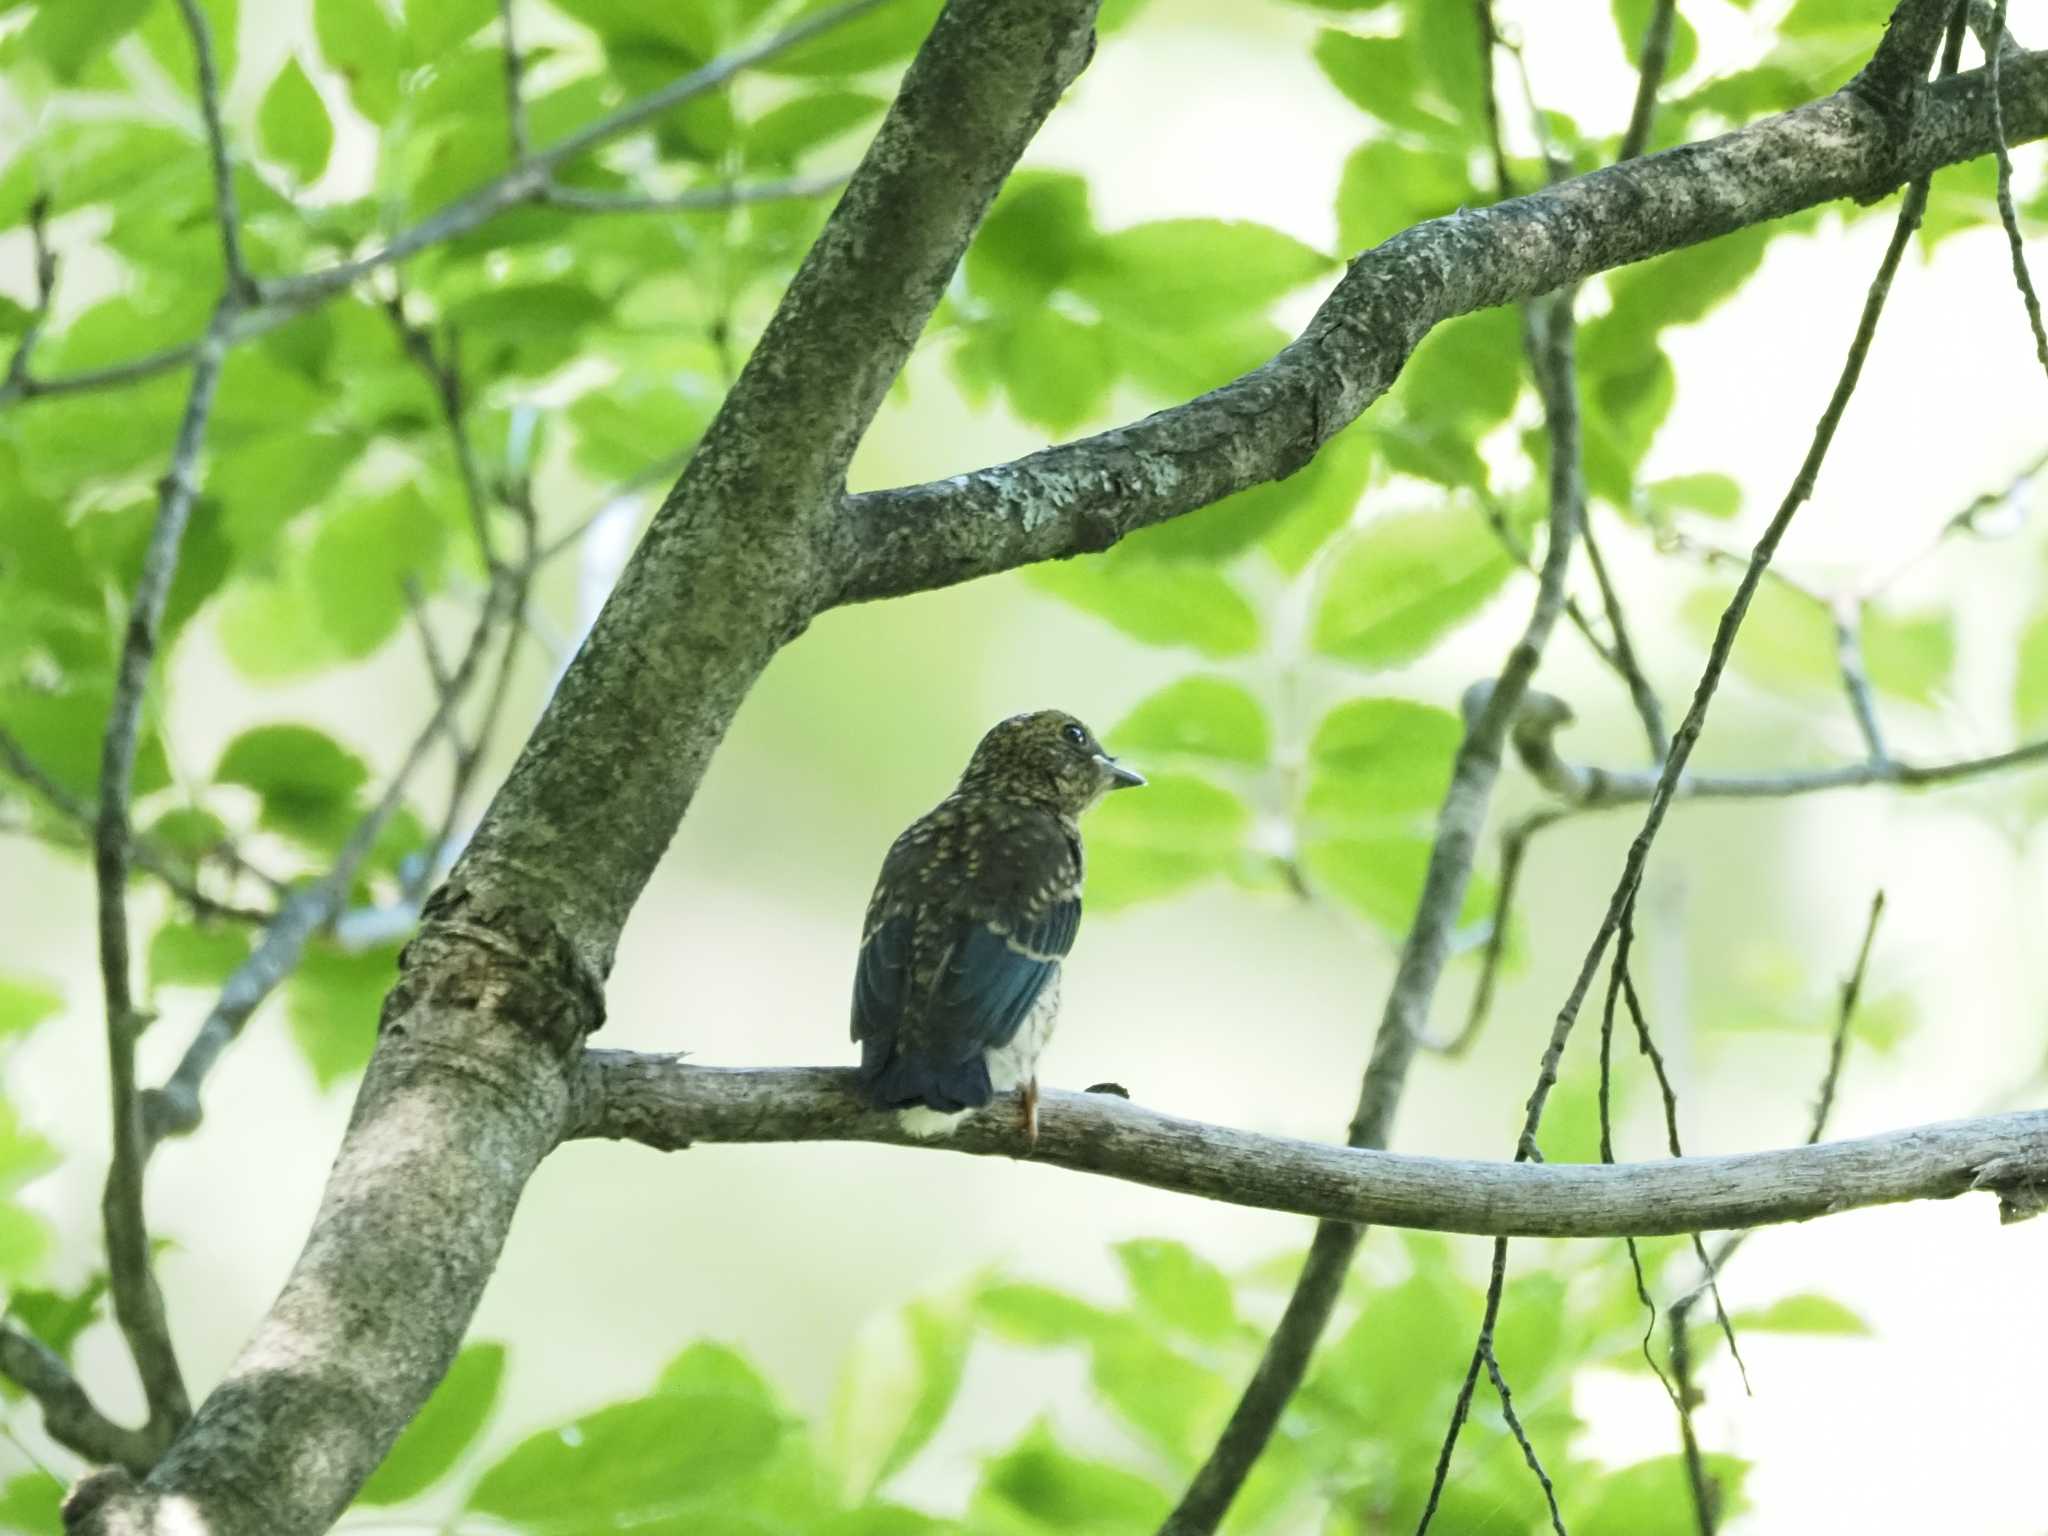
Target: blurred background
<point x="1225" y="997"/>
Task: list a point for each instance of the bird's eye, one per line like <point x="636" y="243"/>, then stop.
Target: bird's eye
<point x="1076" y="735"/>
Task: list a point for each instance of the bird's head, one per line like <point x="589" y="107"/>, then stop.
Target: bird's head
<point x="1049" y="757"/>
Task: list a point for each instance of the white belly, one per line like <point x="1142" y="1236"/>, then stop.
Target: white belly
<point x="1010" y="1066"/>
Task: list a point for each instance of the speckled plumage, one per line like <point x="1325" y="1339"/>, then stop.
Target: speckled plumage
<point x="957" y="987"/>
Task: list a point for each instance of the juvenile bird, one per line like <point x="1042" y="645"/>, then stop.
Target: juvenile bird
<point x="978" y="901"/>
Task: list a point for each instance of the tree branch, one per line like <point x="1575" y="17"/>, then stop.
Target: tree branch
<point x="69" y="1417"/>
<point x="480" y="1038"/>
<point x="665" y="1103"/>
<point x="1086" y="495"/>
<point x="239" y="284"/>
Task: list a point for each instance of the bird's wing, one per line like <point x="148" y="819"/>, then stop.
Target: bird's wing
<point x="949" y="968"/>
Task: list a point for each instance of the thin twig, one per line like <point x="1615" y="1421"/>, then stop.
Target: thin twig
<point x="240" y="285"/>
<point x="1514" y="1423"/>
<point x="1649" y="79"/>
<point x="1706" y="1504"/>
<point x="1848" y="623"/>
<point x="1403" y="1024"/>
<point x="145" y="855"/>
<point x="2006" y="213"/>
<point x="515" y="101"/>
<point x="1489" y="99"/>
<point x="444" y="372"/>
<point x="1514" y="848"/>
<point x="69" y="1417"/>
<point x="174" y="1109"/>
<point x="1648" y="709"/>
<point x="283" y="299"/>
<point x="138" y="1304"/>
<point x="695" y="199"/>
<point x="46" y="289"/>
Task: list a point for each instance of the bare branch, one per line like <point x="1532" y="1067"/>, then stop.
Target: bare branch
<point x="69" y="1417"/>
<point x="515" y="103"/>
<point x="666" y="1103"/>
<point x="1404" y="1023"/>
<point x="1848" y="623"/>
<point x="2006" y="213"/>
<point x="240" y="285"/>
<point x="696" y="199"/>
<point x="1656" y="58"/>
<point x="138" y="1304"/>
<point x="1649" y="710"/>
<point x="1088" y="494"/>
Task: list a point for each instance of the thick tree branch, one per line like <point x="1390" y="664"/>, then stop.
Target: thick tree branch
<point x="479" y="1041"/>
<point x="1086" y="495"/>
<point x="663" y="1102"/>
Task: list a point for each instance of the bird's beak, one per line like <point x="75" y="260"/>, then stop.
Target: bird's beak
<point x="1120" y="776"/>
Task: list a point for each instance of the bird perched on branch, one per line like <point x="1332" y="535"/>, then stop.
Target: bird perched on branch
<point x="977" y="904"/>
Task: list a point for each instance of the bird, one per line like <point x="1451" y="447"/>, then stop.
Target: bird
<point x="957" y="985"/>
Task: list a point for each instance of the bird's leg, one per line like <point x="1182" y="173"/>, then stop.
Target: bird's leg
<point x="1029" y="1094"/>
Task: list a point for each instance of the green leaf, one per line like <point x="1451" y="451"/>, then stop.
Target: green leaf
<point x="332" y="1001"/>
<point x="623" y="429"/>
<point x="1909" y="655"/>
<point x="435" y="26"/>
<point x="628" y="1459"/>
<point x="1385" y="187"/>
<point x="1643" y="1498"/>
<point x="1032" y="240"/>
<point x="707" y="1367"/>
<point x="186" y="955"/>
<point x="1468" y="372"/>
<point x="1379" y="761"/>
<point x="527" y="328"/>
<point x="1058" y="370"/>
<point x="445" y="1428"/>
<point x="897" y="1384"/>
<point x="1036" y="1314"/>
<point x="1198" y="717"/>
<point x="361" y="559"/>
<point x="1405" y="1352"/>
<point x="1160" y="1392"/>
<point x="292" y="124"/>
<point x="2030" y="686"/>
<point x="1710" y="495"/>
<point x="69" y="35"/>
<point x="1404" y="582"/>
<point x="1177" y="364"/>
<point x="1381" y="877"/>
<point x="691" y="30"/>
<point x="1380" y="75"/>
<point x="785" y="134"/>
<point x="1157" y="603"/>
<point x="1190" y="272"/>
<point x="360" y="44"/>
<point x="1038" y="1486"/>
<point x="61" y="732"/>
<point x="1175" y="832"/>
<point x="883" y="36"/>
<point x="1806" y="1312"/>
<point x="1787" y="640"/>
<point x="306" y="781"/>
<point x="25" y="1004"/>
<point x="57" y="1318"/>
<point x="1812" y="16"/>
<point x="1178" y="1288"/>
<point x="1447" y="41"/>
<point x="32" y="1505"/>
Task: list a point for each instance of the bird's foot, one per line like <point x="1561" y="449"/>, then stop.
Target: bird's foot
<point x="1029" y="1095"/>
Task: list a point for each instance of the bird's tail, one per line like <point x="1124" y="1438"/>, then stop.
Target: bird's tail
<point x="898" y="1082"/>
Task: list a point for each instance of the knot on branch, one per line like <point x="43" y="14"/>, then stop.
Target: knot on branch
<point x="503" y="958"/>
<point x="2021" y="1191"/>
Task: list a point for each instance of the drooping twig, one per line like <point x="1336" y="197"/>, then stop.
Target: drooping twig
<point x="1489" y="99"/>
<point x="1649" y="710"/>
<point x="69" y="1417"/>
<point x="1403" y="1023"/>
<point x="1706" y="1502"/>
<point x="1514" y="848"/>
<point x="444" y="373"/>
<point x="2007" y="215"/>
